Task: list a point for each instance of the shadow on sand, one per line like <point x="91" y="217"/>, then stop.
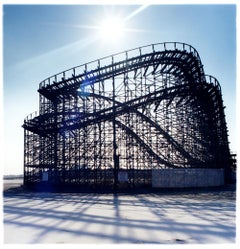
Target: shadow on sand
<point x="184" y="217"/>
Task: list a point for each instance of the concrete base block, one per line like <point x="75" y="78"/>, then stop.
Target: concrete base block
<point x="185" y="178"/>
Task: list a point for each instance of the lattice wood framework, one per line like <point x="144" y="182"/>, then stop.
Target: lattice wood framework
<point x="146" y="108"/>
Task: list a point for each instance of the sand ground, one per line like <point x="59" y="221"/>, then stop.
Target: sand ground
<point x="191" y="217"/>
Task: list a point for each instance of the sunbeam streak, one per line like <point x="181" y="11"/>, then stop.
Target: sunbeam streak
<point x="137" y="11"/>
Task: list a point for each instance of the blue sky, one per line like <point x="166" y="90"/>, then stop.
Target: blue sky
<point x="42" y="40"/>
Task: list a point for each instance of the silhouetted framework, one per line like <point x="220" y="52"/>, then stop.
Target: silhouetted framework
<point x="108" y="123"/>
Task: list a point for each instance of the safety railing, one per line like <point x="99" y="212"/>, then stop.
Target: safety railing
<point x="212" y="80"/>
<point x="31" y="116"/>
<point x="108" y="60"/>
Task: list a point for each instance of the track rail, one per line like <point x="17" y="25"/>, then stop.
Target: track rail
<point x="183" y="60"/>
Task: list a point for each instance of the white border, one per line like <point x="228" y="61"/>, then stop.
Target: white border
<point x="127" y="2"/>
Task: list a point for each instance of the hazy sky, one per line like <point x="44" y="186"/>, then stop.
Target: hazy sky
<point x="42" y="40"/>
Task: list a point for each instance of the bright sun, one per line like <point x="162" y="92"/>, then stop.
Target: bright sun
<point x="111" y="29"/>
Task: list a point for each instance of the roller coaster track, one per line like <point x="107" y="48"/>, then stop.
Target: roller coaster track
<point x="37" y="124"/>
<point x="160" y="89"/>
<point x="180" y="62"/>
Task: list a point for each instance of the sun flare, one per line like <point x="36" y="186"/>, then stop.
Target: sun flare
<point x="111" y="29"/>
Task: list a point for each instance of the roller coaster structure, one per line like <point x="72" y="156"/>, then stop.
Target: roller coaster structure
<point x="108" y="123"/>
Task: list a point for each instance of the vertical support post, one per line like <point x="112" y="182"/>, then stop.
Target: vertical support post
<point x="63" y="144"/>
<point x="114" y="142"/>
<point x="24" y="159"/>
<point x="115" y="157"/>
<point x="55" y="145"/>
